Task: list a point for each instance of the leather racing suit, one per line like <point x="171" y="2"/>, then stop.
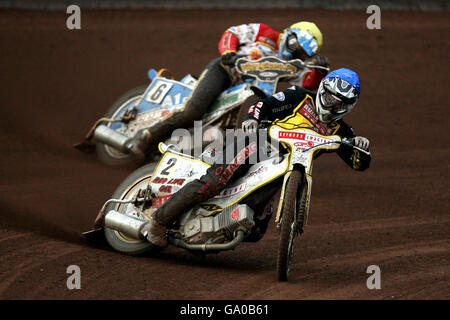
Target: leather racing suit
<point x="295" y="105"/>
<point x="253" y="41"/>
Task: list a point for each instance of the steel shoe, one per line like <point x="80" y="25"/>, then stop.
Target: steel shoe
<point x="155" y="233"/>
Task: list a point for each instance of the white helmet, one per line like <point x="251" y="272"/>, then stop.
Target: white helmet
<point x="337" y="94"/>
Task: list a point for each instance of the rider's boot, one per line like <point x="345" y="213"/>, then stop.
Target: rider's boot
<point x="196" y="191"/>
<point x="139" y="143"/>
<point x="155" y="233"/>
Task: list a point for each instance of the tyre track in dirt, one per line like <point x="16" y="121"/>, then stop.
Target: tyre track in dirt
<point x="396" y="215"/>
<point x="345" y="275"/>
<point x="23" y="263"/>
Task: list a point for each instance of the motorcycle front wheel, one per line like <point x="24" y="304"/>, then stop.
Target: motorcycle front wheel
<point x="293" y="207"/>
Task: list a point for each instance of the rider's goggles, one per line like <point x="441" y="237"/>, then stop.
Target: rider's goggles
<point x="293" y="45"/>
<point x="335" y="103"/>
<point x="299" y="42"/>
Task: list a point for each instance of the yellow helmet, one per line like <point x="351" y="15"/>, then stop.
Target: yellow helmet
<point x="312" y="29"/>
<point x="301" y="35"/>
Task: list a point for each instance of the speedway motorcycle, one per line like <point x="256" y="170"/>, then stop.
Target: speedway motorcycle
<point x="146" y="105"/>
<point x="241" y="212"/>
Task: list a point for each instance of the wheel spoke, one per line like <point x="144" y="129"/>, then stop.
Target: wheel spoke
<point x="289" y="226"/>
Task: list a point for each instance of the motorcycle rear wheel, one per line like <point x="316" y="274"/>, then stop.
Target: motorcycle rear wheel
<point x="108" y="154"/>
<point x="117" y="240"/>
<point x="294" y="204"/>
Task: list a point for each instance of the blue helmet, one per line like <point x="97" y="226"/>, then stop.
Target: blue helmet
<point x="337" y="94"/>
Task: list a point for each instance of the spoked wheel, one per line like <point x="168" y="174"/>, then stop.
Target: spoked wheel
<point x="108" y="154"/>
<point x="135" y="182"/>
<point x="293" y="208"/>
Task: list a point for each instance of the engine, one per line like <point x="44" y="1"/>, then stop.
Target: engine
<point x="220" y="227"/>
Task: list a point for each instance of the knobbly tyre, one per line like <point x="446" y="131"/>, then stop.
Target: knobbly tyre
<point x="241" y="212"/>
<point x="111" y="136"/>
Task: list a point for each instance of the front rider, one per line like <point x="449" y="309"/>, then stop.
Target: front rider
<point x="337" y="95"/>
<point x="301" y="40"/>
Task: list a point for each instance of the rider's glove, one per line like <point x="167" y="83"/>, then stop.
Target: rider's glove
<point x="361" y="142"/>
<point x="229" y="59"/>
<point x="249" y="126"/>
<point x="321" y="61"/>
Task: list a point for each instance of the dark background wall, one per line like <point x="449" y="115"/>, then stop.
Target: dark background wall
<point x="429" y="5"/>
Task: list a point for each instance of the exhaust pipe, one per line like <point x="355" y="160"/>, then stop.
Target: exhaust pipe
<point x="210" y="246"/>
<point x="132" y="227"/>
<point x="112" y="138"/>
<point x="128" y="225"/>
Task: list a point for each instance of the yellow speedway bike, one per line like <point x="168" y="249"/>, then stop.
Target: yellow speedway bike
<point x="241" y="212"/>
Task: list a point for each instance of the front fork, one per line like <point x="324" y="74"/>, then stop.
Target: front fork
<point x="302" y="219"/>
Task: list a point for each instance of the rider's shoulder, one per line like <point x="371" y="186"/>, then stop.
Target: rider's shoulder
<point x="299" y="91"/>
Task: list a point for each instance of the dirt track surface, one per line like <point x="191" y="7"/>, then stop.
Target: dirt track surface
<point x="55" y="83"/>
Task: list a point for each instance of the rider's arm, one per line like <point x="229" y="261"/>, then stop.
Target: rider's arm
<point x="312" y="78"/>
<point x="277" y="106"/>
<point x="228" y="43"/>
<point x="308" y="79"/>
<point x="357" y="159"/>
<point x="233" y="36"/>
<point x="248" y="33"/>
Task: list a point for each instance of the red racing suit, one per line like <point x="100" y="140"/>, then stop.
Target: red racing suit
<point x="257" y="40"/>
<point x="254" y="41"/>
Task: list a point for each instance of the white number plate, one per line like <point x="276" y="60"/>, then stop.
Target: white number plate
<point x="158" y="92"/>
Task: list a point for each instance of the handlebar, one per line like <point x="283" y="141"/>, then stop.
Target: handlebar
<point x="312" y="66"/>
<point x="347" y="142"/>
<point x="264" y="124"/>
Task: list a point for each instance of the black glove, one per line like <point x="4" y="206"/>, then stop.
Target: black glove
<point x="321" y="61"/>
<point x="229" y="59"/>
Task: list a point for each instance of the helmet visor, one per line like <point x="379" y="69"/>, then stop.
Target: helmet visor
<point x="333" y="104"/>
<point x="292" y="42"/>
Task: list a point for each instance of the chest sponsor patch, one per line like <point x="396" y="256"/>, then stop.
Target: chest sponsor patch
<point x="307" y="110"/>
<point x="279" y="96"/>
<point x="305" y="141"/>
